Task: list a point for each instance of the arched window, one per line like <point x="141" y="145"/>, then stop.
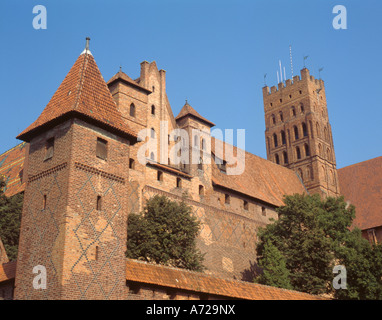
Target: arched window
<point x="273" y="119"/>
<point x="152" y="133"/>
<point x="277" y="159"/>
<point x="304" y="130"/>
<point x="326" y="137"/>
<point x="285" y="157"/>
<point x="283" y="138"/>
<point x="302" y="108"/>
<point x="152" y="156"/>
<point x="153" y="110"/>
<point x="293" y="111"/>
<point x="320" y="150"/>
<point x="275" y="140"/>
<point x="318" y="130"/>
<point x="203" y="144"/>
<point x="132" y="110"/>
<point x="298" y="153"/>
<point x="295" y="132"/>
<point x="309" y="172"/>
<point x="281" y="116"/>
<point x="324" y="173"/>
<point x="307" y="150"/>
<point x="328" y="154"/>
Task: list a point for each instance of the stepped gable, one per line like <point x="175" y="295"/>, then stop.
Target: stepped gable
<point x="12" y="169"/>
<point x="261" y="179"/>
<point x="84" y="94"/>
<point x="187" y="110"/>
<point x="361" y="185"/>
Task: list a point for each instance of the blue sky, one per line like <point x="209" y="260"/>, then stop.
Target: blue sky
<point x="215" y="53"/>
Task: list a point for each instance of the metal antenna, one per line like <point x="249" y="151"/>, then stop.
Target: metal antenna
<point x="291" y="61"/>
<point x="319" y="72"/>
<point x="306" y="57"/>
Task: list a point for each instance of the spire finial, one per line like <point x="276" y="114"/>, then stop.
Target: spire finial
<point x="87" y="43"/>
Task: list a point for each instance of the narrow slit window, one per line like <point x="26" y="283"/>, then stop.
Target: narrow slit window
<point x="99" y="203"/>
<point x="160" y="176"/>
<point x="178" y="182"/>
<point x="131" y="164"/>
<point x="227" y="199"/>
<point x="245" y="205"/>
<point x="44" y="202"/>
<point x="201" y="190"/>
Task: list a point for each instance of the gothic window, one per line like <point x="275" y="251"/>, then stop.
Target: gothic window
<point x="203" y="144"/>
<point x="328" y="154"/>
<point x="153" y="110"/>
<point x="320" y="149"/>
<point x="275" y="140"/>
<point x="304" y="130"/>
<point x="132" y="110"/>
<point x="281" y="116"/>
<point x="293" y="111"/>
<point x="326" y="134"/>
<point x="309" y="172"/>
<point x="318" y="130"/>
<point x="295" y="132"/>
<point x="283" y="138"/>
<point x="277" y="159"/>
<point x="152" y="156"/>
<point x="298" y="153"/>
<point x="152" y="133"/>
<point x="101" y="149"/>
<point x="307" y="150"/>
<point x="273" y="119"/>
<point x="302" y="108"/>
<point x="285" y="157"/>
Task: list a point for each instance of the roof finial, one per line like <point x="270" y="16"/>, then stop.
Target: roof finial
<point x="87" y="43"/>
<point x="120" y="68"/>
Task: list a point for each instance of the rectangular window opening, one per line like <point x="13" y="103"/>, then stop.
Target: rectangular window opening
<point x="101" y="149"/>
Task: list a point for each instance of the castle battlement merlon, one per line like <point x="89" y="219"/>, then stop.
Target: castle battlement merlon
<point x="275" y="91"/>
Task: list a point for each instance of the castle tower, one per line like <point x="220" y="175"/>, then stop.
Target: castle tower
<point x="74" y="219"/>
<point x="198" y="144"/>
<point x="298" y="133"/>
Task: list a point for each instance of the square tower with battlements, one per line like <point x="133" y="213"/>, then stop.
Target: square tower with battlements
<point x="298" y="133"/>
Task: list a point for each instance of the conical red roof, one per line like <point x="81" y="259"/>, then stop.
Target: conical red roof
<point x="85" y="94"/>
<point x="188" y="110"/>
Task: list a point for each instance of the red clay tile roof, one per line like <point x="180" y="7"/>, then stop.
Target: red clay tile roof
<point x="361" y="185"/>
<point x="261" y="179"/>
<point x="200" y="282"/>
<point x="170" y="169"/>
<point x="7" y="271"/>
<point x="83" y="92"/>
<point x="11" y="168"/>
<point x="124" y="77"/>
<point x="188" y="110"/>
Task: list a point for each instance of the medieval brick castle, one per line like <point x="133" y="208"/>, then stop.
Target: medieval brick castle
<point x="81" y="170"/>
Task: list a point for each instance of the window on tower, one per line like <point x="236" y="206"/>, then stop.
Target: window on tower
<point x="283" y="137"/>
<point x="304" y="129"/>
<point x="298" y="153"/>
<point x="295" y="132"/>
<point x="275" y="140"/>
<point x="101" y="149"/>
<point x="132" y="110"/>
<point x="49" y="148"/>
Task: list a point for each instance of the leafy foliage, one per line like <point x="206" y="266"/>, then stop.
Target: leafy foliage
<point x="165" y="233"/>
<point x="10" y="216"/>
<point x="312" y="236"/>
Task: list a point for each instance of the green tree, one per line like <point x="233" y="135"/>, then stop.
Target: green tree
<point x="275" y="272"/>
<point x="10" y="216"/>
<point x="165" y="233"/>
<point x="313" y="235"/>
